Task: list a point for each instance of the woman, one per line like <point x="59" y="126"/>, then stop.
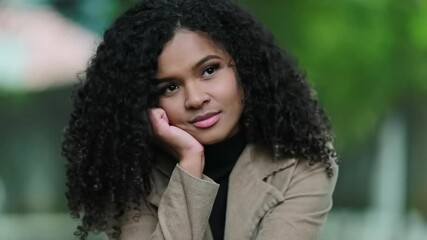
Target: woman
<point x="193" y="124"/>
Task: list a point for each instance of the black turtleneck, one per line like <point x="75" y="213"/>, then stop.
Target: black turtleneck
<point x="220" y="159"/>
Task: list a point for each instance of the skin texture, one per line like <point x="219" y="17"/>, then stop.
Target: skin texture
<point x="195" y="79"/>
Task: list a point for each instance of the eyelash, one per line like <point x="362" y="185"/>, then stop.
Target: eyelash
<point x="213" y="66"/>
<point x="162" y="91"/>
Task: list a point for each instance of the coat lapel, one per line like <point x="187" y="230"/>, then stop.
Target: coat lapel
<point x="249" y="196"/>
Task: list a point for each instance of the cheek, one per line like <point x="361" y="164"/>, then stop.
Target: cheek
<point x="231" y="92"/>
<point x="227" y="88"/>
<point x="172" y="110"/>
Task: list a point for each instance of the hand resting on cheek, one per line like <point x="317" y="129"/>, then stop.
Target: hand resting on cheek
<point x="179" y="143"/>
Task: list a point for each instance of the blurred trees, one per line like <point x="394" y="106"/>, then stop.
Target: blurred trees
<point x="363" y="57"/>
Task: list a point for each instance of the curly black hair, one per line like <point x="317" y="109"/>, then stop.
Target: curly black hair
<point x="107" y="142"/>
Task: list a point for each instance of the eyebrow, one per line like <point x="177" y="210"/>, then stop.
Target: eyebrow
<point x="205" y="59"/>
<point x="197" y="65"/>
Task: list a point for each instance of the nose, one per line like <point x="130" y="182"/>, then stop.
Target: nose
<point x="195" y="96"/>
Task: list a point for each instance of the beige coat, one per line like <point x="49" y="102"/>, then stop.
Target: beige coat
<point x="267" y="199"/>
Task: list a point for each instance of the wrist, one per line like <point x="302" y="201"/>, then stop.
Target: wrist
<point x="193" y="163"/>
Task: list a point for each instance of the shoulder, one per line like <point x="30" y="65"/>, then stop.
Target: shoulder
<point x="284" y="173"/>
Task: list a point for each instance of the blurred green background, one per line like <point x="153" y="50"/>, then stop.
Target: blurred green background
<point x="367" y="59"/>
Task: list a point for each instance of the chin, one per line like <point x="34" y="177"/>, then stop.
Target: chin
<point x="212" y="139"/>
<point x="214" y="135"/>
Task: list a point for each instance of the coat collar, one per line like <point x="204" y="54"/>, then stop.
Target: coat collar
<point x="249" y="195"/>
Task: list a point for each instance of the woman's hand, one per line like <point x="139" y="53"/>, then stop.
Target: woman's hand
<point x="178" y="142"/>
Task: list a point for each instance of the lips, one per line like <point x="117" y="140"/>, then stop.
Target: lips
<point x="207" y="120"/>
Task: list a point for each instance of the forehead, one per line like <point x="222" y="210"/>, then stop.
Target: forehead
<point x="185" y="49"/>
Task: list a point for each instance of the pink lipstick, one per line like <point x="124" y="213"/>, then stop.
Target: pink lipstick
<point x="206" y="121"/>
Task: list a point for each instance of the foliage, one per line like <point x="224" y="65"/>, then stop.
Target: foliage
<point x="363" y="57"/>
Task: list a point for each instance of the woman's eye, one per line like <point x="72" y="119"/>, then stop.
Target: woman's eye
<point x="169" y="89"/>
<point x="210" y="70"/>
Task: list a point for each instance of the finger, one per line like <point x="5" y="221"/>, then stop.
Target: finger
<point x="164" y="116"/>
<point x="154" y="115"/>
<point x="159" y="121"/>
<point x="154" y="112"/>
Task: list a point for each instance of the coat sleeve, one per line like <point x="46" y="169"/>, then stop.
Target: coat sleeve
<point x="307" y="201"/>
<point x="183" y="211"/>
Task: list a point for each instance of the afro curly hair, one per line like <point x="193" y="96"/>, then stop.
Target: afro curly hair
<point x="107" y="142"/>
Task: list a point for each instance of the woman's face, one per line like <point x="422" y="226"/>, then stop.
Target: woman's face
<point x="198" y="87"/>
